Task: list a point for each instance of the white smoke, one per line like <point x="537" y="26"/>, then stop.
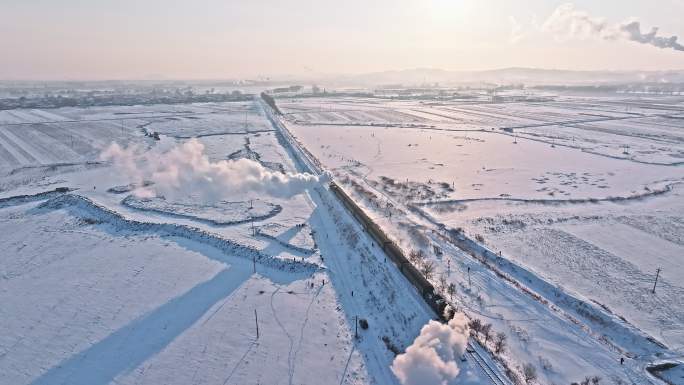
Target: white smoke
<point x="433" y="357"/>
<point x="632" y="30"/>
<point x="183" y="171"/>
<point x="568" y="22"/>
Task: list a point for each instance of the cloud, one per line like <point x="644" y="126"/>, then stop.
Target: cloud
<point x="517" y="30"/>
<point x="182" y="171"/>
<point x="433" y="357"/>
<point x="567" y="22"/>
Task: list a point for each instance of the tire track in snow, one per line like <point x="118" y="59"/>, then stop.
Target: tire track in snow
<point x="289" y="337"/>
<point x="301" y="331"/>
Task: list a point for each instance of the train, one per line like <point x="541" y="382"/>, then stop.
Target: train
<point x="435" y="300"/>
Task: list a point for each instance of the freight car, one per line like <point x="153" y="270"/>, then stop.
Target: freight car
<point x="394" y="252"/>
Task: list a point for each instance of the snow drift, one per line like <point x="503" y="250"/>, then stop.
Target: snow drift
<point x="179" y="171"/>
<point x="568" y="22"/>
<point x="433" y="357"/>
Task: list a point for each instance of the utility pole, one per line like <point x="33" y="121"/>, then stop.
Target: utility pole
<point x="656" y="280"/>
<point x="469" y="277"/>
<point x="256" y="321"/>
<point x="254" y="264"/>
<point x="356" y="326"/>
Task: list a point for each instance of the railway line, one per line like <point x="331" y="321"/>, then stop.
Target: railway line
<point x="427" y="291"/>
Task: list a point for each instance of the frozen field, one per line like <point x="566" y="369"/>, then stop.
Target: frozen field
<point x="150" y="270"/>
<point x="581" y="196"/>
<point x="106" y="284"/>
<point x="101" y="304"/>
<point x="70" y="135"/>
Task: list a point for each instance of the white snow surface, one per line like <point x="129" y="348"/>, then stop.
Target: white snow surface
<point x="582" y="197"/>
<point x="98" y="292"/>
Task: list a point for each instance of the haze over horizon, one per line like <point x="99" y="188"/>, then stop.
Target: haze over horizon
<point x="384" y="192"/>
<point x="77" y="40"/>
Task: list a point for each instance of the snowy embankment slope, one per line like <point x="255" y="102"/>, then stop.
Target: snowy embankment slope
<point x="21" y="199"/>
<point x="86" y="209"/>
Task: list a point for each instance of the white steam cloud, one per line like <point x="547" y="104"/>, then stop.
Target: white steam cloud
<point x="185" y="171"/>
<point x="433" y="357"/>
<point x="568" y="22"/>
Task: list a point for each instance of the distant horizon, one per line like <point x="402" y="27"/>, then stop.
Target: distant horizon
<point x="321" y="76"/>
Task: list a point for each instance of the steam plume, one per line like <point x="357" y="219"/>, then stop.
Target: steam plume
<point x="185" y="171"/>
<point x="632" y="30"/>
<point x="568" y="22"/>
<point x="433" y="357"/>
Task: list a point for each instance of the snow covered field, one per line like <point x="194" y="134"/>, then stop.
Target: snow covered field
<point x="104" y="283"/>
<point x="144" y="272"/>
<point x="582" y="197"/>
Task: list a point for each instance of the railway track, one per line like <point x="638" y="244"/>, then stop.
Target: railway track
<point x="407" y="269"/>
<point x="487" y="369"/>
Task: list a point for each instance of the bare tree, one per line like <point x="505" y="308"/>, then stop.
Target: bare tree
<point x="529" y="373"/>
<point x="500" y="342"/>
<point x="416" y="256"/>
<point x="412" y="255"/>
<point x="427" y="269"/>
<point x="487" y="332"/>
<point x="442" y="283"/>
<point x="451" y="289"/>
<point x="513" y="375"/>
<point x="475" y="325"/>
<point x="590" y="380"/>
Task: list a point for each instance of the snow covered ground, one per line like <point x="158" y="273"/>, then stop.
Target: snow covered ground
<point x="581" y="196"/>
<point x="99" y="285"/>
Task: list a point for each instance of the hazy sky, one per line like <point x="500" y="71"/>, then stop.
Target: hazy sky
<point x="114" y="39"/>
